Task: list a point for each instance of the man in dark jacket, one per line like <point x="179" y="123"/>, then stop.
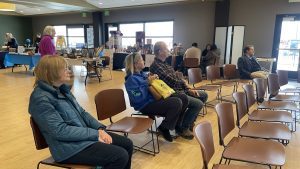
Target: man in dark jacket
<point x="248" y="66"/>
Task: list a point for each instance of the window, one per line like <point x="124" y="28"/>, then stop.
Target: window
<point x="288" y="54"/>
<point x="60" y="31"/>
<point x="154" y="31"/>
<point x="75" y="37"/>
<point x="160" y="31"/>
<point x="128" y="31"/>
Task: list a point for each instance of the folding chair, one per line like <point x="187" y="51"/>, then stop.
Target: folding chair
<point x="274" y="89"/>
<point x="106" y="65"/>
<point x="195" y="76"/>
<point x="283" y="80"/>
<point x="280" y="116"/>
<point x="111" y="102"/>
<point x="204" y="136"/>
<point x="213" y="74"/>
<point x="254" y="129"/>
<point x="40" y="143"/>
<point x="230" y="73"/>
<point x="190" y="63"/>
<point x="272" y="105"/>
<point x="265" y="152"/>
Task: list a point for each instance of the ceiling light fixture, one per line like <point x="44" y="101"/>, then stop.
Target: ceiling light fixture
<point x="100" y="3"/>
<point x="7" y="6"/>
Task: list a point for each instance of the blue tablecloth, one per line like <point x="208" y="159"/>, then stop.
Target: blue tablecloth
<point x="11" y="59"/>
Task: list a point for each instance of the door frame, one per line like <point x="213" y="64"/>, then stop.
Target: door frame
<point x="276" y="41"/>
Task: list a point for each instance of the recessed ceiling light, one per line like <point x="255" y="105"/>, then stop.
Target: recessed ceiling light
<point x="21" y="11"/>
<point x="38" y="9"/>
<point x="7" y="6"/>
<point x="100" y="3"/>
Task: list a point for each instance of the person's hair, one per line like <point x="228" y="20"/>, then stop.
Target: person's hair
<point x="130" y="60"/>
<point x="9" y="36"/>
<point x="157" y="47"/>
<point x="48" y="30"/>
<point x="174" y="44"/>
<point x="49" y="69"/>
<point x="207" y="45"/>
<point x="195" y="44"/>
<point x="247" y="48"/>
<point x="213" y="47"/>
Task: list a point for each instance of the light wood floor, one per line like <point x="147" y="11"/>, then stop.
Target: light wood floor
<point x="17" y="149"/>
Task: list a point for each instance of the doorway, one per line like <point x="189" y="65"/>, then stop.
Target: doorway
<point x="286" y="46"/>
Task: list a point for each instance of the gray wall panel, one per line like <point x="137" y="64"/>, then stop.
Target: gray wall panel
<point x="193" y="22"/>
<point x="20" y="27"/>
<point x="259" y="18"/>
<point x="39" y="22"/>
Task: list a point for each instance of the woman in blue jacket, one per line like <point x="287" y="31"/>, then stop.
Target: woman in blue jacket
<point x="72" y="134"/>
<point x="137" y="86"/>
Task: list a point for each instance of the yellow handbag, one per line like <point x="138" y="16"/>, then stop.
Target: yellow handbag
<point x="161" y="88"/>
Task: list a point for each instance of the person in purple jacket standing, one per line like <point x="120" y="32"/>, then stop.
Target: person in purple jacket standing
<point x="46" y="46"/>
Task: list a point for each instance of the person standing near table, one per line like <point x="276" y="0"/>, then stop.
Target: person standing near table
<point x="11" y="41"/>
<point x="37" y="41"/>
<point x="46" y="46"/>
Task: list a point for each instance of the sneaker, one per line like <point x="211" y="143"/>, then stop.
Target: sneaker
<point x="186" y="134"/>
<point x="166" y="133"/>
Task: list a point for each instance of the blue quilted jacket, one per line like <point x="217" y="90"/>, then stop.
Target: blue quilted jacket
<point x="66" y="126"/>
<point x="137" y="88"/>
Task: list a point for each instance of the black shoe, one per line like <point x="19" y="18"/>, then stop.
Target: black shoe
<point x="191" y="128"/>
<point x="186" y="134"/>
<point x="166" y="133"/>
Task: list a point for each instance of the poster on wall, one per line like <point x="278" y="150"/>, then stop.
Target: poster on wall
<point x="90" y="37"/>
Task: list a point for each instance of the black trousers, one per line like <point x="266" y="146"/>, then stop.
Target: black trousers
<point x="109" y="156"/>
<point x="170" y="108"/>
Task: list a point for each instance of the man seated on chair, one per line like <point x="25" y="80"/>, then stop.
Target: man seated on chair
<point x="72" y="134"/>
<point x="193" y="52"/>
<point x="195" y="99"/>
<point x="248" y="66"/>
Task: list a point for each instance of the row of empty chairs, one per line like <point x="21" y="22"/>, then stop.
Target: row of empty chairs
<point x="230" y="79"/>
<point x="262" y="138"/>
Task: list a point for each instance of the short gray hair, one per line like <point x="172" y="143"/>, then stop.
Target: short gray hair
<point x="48" y="30"/>
<point x="157" y="47"/>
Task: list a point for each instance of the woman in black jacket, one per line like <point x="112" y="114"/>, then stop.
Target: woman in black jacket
<point x="11" y="41"/>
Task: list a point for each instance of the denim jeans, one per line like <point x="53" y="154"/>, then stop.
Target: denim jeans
<point x="190" y="109"/>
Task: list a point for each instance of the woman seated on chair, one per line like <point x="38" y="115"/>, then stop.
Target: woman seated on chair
<point x="72" y="134"/>
<point x="137" y="86"/>
<point x="212" y="58"/>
